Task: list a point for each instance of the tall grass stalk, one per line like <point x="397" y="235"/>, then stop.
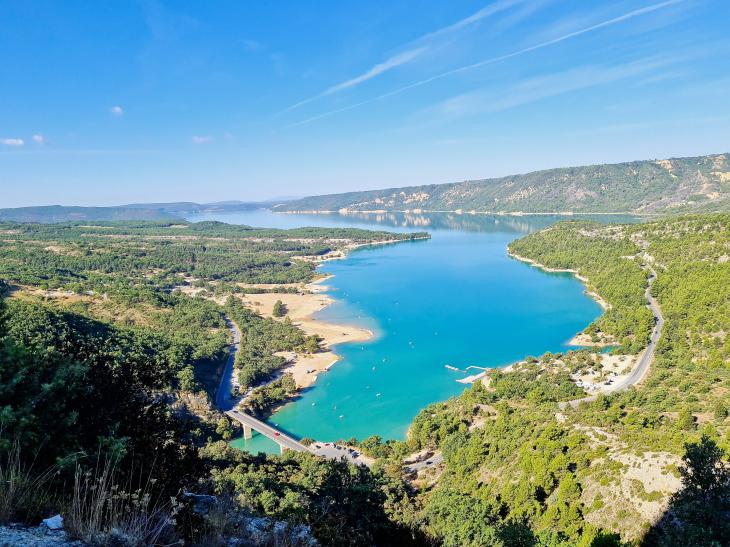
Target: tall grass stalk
<point x="24" y="493"/>
<point x="103" y="512"/>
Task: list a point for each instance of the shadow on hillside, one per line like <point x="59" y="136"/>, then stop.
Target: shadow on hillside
<point x="699" y="514"/>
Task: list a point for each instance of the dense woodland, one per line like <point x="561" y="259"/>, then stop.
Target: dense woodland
<point x="129" y="257"/>
<point x="96" y="359"/>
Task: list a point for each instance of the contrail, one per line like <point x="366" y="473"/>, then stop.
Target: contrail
<point x="609" y="22"/>
<point x="408" y="56"/>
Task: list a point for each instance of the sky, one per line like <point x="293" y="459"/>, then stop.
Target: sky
<point x="106" y="103"/>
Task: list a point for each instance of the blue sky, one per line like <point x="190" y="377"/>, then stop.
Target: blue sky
<point x="118" y="101"/>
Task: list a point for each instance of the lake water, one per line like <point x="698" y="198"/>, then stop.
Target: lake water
<point x="455" y="299"/>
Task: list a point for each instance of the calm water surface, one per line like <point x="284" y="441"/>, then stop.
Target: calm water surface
<point x="455" y="299"/>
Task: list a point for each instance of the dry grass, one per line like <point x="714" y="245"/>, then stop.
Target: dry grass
<point x="102" y="512"/>
<point x="24" y="493"/>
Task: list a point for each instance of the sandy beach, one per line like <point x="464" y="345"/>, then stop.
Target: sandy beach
<point x="300" y="309"/>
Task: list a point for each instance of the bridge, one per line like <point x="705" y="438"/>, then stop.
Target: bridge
<point x="227" y="403"/>
<point x="250" y="423"/>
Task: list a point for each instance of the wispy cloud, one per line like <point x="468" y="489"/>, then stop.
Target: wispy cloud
<point x="376" y="70"/>
<point x="484" y="13"/>
<point x="412" y="53"/>
<point x="592" y="28"/>
<point x="116" y="111"/>
<point x="395" y="61"/>
<point x="39" y="139"/>
<point x="201" y="139"/>
<point x="12" y="142"/>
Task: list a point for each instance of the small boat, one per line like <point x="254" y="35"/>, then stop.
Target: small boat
<point x="452" y="368"/>
<point x="377" y="394"/>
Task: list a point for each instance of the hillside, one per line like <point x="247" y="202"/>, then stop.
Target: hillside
<point x="112" y="341"/>
<point x="134" y="211"/>
<point x="512" y="460"/>
<point x="675" y="185"/>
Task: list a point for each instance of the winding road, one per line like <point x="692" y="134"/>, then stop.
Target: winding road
<point x="642" y="366"/>
<point x="227" y="403"/>
<point x="223" y="399"/>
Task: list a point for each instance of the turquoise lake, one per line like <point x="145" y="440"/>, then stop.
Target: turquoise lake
<point x="455" y="299"/>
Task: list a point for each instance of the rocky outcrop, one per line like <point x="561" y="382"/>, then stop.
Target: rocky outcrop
<point x="40" y="536"/>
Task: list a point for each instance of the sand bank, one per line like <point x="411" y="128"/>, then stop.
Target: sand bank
<point x="300" y="309"/>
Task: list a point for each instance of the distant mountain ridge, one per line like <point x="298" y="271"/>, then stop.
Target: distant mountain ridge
<point x="133" y="211"/>
<point x="675" y="185"/>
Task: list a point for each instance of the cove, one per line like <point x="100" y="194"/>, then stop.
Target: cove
<point x="456" y="299"/>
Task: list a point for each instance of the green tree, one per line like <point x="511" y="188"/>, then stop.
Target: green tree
<point x="279" y="309"/>
<point x="698" y="513"/>
<point x="311" y="344"/>
<point x="224" y="429"/>
<point x="186" y="379"/>
<point x="720" y="411"/>
<point x="685" y="420"/>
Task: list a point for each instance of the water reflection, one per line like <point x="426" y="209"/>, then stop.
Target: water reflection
<point x="465" y="222"/>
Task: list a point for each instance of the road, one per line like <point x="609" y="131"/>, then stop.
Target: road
<point x="644" y="362"/>
<point x="227" y="403"/>
<point x="431" y="462"/>
<point x="223" y="398"/>
<point x="280" y="438"/>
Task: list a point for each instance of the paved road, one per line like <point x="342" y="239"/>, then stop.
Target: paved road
<point x="227" y="404"/>
<point x="223" y="398"/>
<point x="433" y="461"/>
<point x="642" y="366"/>
<point x="282" y="439"/>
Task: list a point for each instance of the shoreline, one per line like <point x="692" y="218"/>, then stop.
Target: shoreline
<point x="346" y="212"/>
<point x="580" y="339"/>
<point x="301" y="310"/>
<point x="584" y="280"/>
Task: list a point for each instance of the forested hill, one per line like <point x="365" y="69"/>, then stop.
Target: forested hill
<point x="134" y="211"/>
<point x="641" y="187"/>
